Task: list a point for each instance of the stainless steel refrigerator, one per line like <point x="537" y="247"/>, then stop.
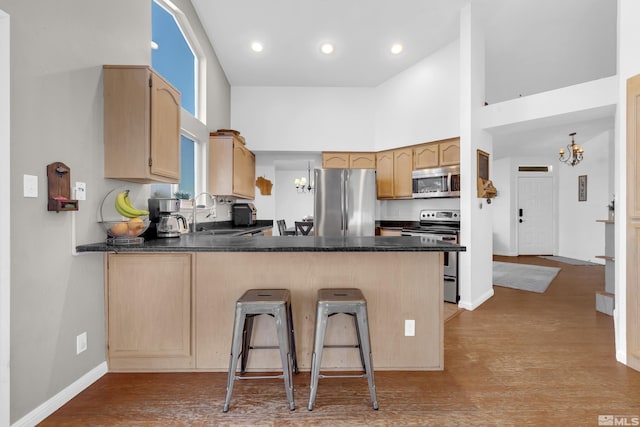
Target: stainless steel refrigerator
<point x="344" y="202"/>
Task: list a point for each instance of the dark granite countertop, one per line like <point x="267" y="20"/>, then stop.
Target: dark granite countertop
<point x="206" y="242"/>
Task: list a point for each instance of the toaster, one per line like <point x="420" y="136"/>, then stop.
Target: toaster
<point x="244" y="214"/>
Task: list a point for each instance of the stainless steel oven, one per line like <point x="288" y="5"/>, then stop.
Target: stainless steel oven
<point x="441" y="226"/>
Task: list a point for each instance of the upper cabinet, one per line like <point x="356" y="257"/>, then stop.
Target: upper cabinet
<point x="348" y="160"/>
<point x="436" y="154"/>
<point x="393" y="173"/>
<point x="232" y="167"/>
<point x="141" y="125"/>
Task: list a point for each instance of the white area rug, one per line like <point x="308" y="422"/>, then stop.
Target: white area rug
<point x="532" y="278"/>
<point x="566" y="260"/>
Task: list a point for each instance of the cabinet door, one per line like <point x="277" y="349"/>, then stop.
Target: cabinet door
<point x="450" y="152"/>
<point x="384" y="174"/>
<point x="141" y="126"/>
<point x="426" y="156"/>
<point x="402" y="168"/>
<point x="149" y="312"/>
<point x="165" y="129"/>
<point x="633" y="222"/>
<point x="244" y="171"/>
<point x="335" y="160"/>
<point x="362" y="160"/>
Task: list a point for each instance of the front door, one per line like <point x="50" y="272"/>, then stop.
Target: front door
<point x="535" y="215"/>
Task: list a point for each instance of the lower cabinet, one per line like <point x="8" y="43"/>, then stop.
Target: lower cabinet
<point x="149" y="311"/>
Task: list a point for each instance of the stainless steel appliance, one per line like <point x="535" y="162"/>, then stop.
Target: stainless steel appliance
<point x="441" y="225"/>
<point x="344" y="202"/>
<point x="164" y="216"/>
<point x="244" y="214"/>
<point x="436" y="182"/>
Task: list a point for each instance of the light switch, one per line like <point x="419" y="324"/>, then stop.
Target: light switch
<point x="409" y="328"/>
<point x="30" y="186"/>
<point x="81" y="191"/>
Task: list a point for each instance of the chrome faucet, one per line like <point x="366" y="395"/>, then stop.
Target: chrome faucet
<point x="195" y="209"/>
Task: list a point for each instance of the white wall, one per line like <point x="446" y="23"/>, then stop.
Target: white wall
<point x="475" y="266"/>
<point x="304" y="118"/>
<point x="580" y="236"/>
<point x="420" y="104"/>
<point x="5" y="218"/>
<point x="503" y="208"/>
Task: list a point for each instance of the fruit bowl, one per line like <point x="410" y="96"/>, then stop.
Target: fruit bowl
<point x="126" y="231"/>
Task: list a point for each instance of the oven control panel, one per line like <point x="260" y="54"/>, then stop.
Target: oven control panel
<point x="444" y="215"/>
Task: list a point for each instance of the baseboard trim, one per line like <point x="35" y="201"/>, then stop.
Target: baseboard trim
<point x="50" y="406"/>
<point x="472" y="305"/>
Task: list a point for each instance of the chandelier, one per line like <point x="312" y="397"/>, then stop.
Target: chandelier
<point x="574" y="155"/>
<point x="303" y="184"/>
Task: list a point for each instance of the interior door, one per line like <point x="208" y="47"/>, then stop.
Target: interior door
<point x="535" y="215"/>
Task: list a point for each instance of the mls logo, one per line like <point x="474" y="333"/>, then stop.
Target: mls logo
<point x="605" y="420"/>
<point x="618" y="420"/>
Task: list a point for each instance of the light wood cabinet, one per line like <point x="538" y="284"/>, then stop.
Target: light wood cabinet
<point x="384" y="174"/>
<point x="335" y="160"/>
<point x="149" y="311"/>
<point x="348" y="160"/>
<point x="449" y="150"/>
<point x="436" y="154"/>
<point x="393" y="173"/>
<point x="426" y="156"/>
<point x="362" y="160"/>
<point x="232" y="168"/>
<point x="633" y="223"/>
<point x="141" y="125"/>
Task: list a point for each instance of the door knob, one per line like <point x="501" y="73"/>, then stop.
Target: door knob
<point x="520" y="220"/>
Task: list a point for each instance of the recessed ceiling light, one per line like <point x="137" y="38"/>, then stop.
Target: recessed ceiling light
<point x="327" y="48"/>
<point x="257" y="47"/>
<point x="396" y="48"/>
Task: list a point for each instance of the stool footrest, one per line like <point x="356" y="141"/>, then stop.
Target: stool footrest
<point x="262" y="347"/>
<point x="343" y="376"/>
<point x="260" y="377"/>
<point x="341" y="346"/>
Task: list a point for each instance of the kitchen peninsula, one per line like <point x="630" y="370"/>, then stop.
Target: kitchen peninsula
<point x="170" y="302"/>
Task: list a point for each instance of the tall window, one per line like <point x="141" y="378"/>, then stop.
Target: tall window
<point x="173" y="56"/>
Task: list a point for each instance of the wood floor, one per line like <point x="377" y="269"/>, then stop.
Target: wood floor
<point x="519" y="359"/>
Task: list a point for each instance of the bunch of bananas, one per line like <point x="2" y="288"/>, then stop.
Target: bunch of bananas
<point x="125" y="208"/>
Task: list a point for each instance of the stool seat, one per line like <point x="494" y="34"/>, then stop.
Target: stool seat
<point x="254" y="302"/>
<point x="352" y="302"/>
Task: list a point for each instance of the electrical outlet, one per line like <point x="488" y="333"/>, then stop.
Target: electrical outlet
<point x="81" y="191"/>
<point x="81" y="343"/>
<point x="409" y="328"/>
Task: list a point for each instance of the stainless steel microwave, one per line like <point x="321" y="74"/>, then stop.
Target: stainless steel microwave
<point x="436" y="182"/>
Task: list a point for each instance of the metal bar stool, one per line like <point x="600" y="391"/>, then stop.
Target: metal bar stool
<point x="254" y="302"/>
<point x="352" y="302"/>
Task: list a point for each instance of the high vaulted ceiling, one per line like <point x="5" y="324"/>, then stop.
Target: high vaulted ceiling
<point x="531" y="45"/>
<point x="293" y="30"/>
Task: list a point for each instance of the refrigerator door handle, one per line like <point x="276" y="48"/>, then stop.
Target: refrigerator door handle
<point x="345" y="203"/>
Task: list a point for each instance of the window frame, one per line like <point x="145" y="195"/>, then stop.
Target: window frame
<point x="193" y="126"/>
